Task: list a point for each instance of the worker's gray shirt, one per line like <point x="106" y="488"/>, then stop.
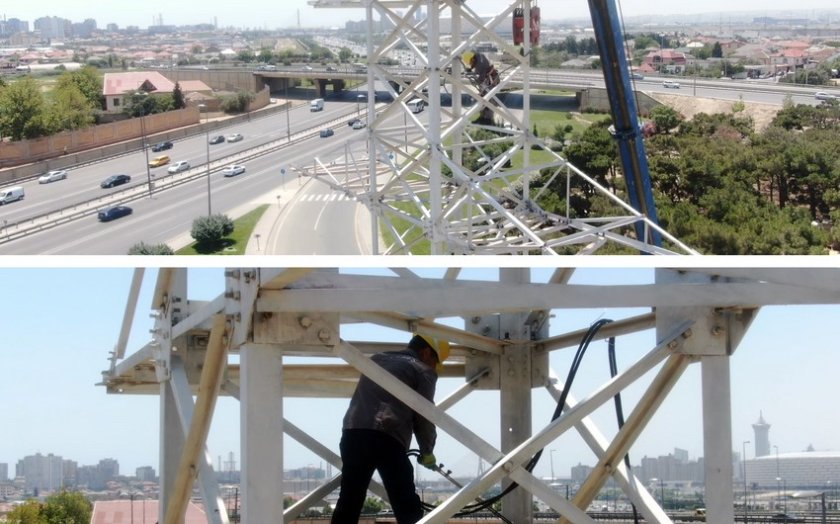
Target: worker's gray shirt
<point x="374" y="408"/>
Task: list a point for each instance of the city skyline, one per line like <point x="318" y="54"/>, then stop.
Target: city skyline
<point x="268" y="16"/>
<point x="51" y="374"/>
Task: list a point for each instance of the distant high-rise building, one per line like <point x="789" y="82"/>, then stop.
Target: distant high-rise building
<point x="4" y="472"/>
<point x="762" y="436"/>
<point x="112" y="27"/>
<point x="681" y="455"/>
<point x="145" y="474"/>
<point x="53" y="27"/>
<point x="13" y="26"/>
<point x="42" y="473"/>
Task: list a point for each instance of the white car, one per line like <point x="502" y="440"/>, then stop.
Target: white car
<point x="52" y="176"/>
<point x="671" y="84"/>
<point x="179" y="166"/>
<point x="819" y="95"/>
<point x="233" y="170"/>
<point x="235" y="137"/>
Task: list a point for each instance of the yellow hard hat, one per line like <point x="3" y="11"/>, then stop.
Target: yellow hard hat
<point x="467" y="57"/>
<point x="440" y="347"/>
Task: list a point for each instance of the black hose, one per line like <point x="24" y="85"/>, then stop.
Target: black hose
<point x="561" y="402"/>
<point x="619" y="411"/>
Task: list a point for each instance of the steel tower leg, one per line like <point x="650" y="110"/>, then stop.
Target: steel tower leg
<point x="261" y="414"/>
<point x="515" y="394"/>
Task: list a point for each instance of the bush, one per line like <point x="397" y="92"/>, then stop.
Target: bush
<point x="210" y="230"/>
<point x="150" y="249"/>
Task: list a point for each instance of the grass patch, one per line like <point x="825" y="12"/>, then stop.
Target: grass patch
<point x="234" y="244"/>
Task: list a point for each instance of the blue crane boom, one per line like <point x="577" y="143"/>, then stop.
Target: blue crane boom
<point x="608" y="34"/>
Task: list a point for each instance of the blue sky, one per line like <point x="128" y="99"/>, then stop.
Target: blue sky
<point x="60" y="324"/>
<point x="270" y="15"/>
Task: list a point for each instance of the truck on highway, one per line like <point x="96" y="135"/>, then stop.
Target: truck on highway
<point x="316" y="105"/>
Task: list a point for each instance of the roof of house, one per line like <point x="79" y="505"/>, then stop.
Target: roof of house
<point x="193" y="85"/>
<point x="138" y="512"/>
<point x="149" y="81"/>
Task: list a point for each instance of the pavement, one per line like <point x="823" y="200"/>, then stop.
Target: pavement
<point x="278" y="200"/>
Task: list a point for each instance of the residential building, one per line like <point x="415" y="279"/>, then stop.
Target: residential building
<point x="41" y="473"/>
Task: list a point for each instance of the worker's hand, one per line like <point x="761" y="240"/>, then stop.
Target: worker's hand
<point x="428" y="461"/>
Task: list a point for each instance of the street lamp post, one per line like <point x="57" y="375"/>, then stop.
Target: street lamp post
<point x="744" y="466"/>
<point x="143" y="94"/>
<point x="778" y="476"/>
<point x="207" y="144"/>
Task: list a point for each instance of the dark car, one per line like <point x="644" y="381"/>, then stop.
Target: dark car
<point x="115" y="180"/>
<point x="327" y="132"/>
<point x="160" y="146"/>
<point x="113" y="213"/>
<point x="353" y="121"/>
<point x="218" y="139"/>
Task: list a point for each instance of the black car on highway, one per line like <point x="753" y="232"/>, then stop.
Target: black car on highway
<point x="161" y="146"/>
<point x="113" y="213"/>
<point x="115" y="180"/>
<point x="218" y="139"/>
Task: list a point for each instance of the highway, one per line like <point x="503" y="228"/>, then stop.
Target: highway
<point x="171" y="212"/>
<point x="318" y="221"/>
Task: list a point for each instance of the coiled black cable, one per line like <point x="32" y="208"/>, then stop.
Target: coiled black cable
<point x="487" y="504"/>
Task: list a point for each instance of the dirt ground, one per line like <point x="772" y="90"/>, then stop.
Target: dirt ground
<point x="687" y="106"/>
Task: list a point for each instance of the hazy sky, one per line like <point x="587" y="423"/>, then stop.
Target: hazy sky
<point x="271" y="15"/>
<point x="60" y="324"/>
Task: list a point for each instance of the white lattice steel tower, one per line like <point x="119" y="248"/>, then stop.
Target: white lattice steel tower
<point x="466" y="188"/>
<point x="501" y="345"/>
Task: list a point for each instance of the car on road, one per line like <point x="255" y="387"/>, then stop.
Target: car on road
<point x="331" y="69"/>
<point x="671" y="84"/>
<point x="158" y="161"/>
<point x="358" y="124"/>
<point x="326" y="132"/>
<point x="234" y="137"/>
<point x="113" y="213"/>
<point x="637" y="76"/>
<point x="353" y="121"/>
<point x="115" y="180"/>
<point x="177" y="167"/>
<point x="161" y="146"/>
<point x="786" y="517"/>
<point x="52" y="176"/>
<point x="820" y="95"/>
<point x="233" y="170"/>
<point x="218" y="139"/>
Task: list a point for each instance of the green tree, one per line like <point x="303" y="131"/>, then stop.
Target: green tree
<point x="150" y="249"/>
<point x="371" y="506"/>
<point x="717" y="50"/>
<point x="209" y="231"/>
<point x="22" y="110"/>
<point x="88" y="81"/>
<point x="27" y="513"/>
<point x="666" y="118"/>
<point x="178" y="97"/>
<point x="67" y="507"/>
<point x="69" y="109"/>
<point x="344" y="55"/>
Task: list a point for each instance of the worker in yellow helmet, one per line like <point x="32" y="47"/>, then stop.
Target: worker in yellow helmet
<point x="377" y="433"/>
<point x="486" y="78"/>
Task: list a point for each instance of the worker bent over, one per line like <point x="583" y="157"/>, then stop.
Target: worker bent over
<point x="377" y="433"/>
<point x="486" y="79"/>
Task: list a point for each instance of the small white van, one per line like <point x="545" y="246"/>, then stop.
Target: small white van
<point x="316" y="105"/>
<point x="11" y="194"/>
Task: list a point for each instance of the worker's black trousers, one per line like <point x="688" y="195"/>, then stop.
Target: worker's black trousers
<point x="362" y="452"/>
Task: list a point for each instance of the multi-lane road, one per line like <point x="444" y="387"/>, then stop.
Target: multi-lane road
<point x="168" y="213"/>
<point x="314" y="221"/>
